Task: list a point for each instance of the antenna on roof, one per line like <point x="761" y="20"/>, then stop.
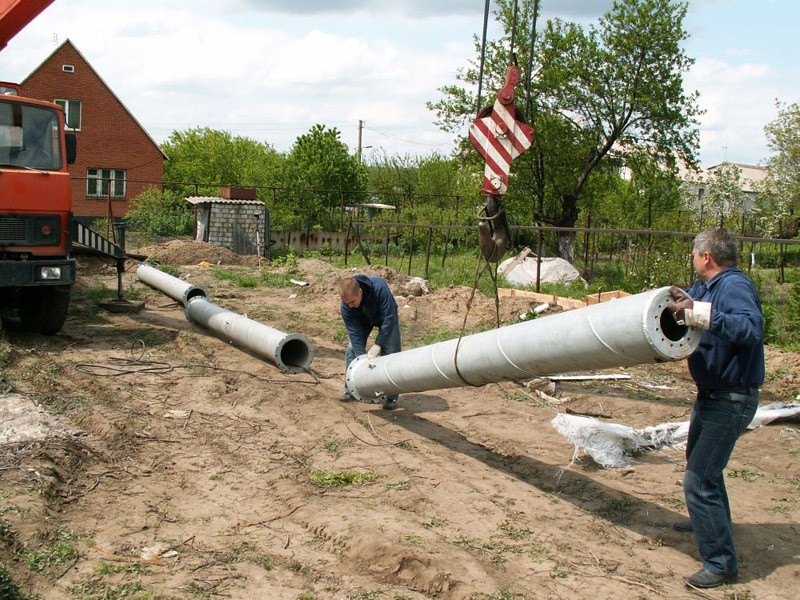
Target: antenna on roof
<point x="55" y="39"/>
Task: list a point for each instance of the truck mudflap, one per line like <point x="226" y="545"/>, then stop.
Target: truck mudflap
<point x="23" y="273"/>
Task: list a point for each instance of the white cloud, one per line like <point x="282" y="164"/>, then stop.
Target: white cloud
<point x="739" y="102"/>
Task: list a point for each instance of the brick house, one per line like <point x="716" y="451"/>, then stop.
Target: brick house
<point x="116" y="158"/>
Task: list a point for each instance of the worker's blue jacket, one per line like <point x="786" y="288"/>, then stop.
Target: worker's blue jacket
<point x="377" y="309"/>
<point x="731" y="352"/>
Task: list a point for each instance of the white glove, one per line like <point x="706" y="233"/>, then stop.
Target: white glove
<point x="374" y="352"/>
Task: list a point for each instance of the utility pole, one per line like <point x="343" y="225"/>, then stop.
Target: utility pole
<point x="360" y="127"/>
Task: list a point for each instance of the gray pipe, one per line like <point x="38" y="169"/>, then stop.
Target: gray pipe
<point x="627" y="331"/>
<point x="178" y="290"/>
<point x="291" y="352"/>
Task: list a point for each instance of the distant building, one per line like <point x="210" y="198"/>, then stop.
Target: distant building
<point x="116" y="158"/>
<point x="749" y="176"/>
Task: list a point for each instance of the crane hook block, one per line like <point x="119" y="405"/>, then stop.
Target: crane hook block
<point x="500" y="134"/>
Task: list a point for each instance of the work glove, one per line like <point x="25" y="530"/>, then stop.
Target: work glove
<point x="374" y="352"/>
<point x="687" y="311"/>
<point x="680" y="302"/>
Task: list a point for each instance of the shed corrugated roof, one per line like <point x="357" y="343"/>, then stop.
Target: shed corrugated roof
<point x="218" y="200"/>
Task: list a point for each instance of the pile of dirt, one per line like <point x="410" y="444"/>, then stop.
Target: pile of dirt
<point x="191" y="252"/>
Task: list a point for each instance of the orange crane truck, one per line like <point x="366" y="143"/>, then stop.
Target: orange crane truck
<point x="36" y="225"/>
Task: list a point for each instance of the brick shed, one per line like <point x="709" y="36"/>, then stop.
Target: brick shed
<point x="233" y="220"/>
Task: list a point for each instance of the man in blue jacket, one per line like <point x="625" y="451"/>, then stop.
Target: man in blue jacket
<point x="367" y="302"/>
<point x="728" y="368"/>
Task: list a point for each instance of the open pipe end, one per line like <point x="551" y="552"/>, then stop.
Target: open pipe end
<point x="193" y="292"/>
<point x="294" y="353"/>
<point x="671" y="340"/>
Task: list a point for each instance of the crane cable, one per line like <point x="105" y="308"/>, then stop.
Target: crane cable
<point x="488" y="265"/>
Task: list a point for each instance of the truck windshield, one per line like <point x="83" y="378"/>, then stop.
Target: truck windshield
<point x="29" y="137"/>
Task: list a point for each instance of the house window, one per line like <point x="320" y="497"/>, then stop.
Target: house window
<point x="98" y="181"/>
<point x="72" y="113"/>
<point x="68" y="68"/>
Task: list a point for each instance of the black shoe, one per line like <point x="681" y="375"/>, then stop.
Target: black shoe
<point x="707" y="579"/>
<point x="389" y="404"/>
<point x="346" y="397"/>
<point x="683" y="526"/>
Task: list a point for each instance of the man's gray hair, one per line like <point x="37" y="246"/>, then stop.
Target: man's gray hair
<point x="720" y="244"/>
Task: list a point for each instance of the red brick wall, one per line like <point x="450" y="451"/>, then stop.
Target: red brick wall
<point x="109" y="138"/>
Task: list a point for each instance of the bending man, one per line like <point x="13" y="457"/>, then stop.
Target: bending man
<point x="728" y="368"/>
<point x="367" y="303"/>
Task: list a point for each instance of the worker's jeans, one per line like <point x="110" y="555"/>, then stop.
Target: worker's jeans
<point x="718" y="418"/>
<point x="390" y="346"/>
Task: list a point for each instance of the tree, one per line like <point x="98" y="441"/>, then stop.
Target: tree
<point x="724" y="197"/>
<point x="317" y="168"/>
<point x="617" y="86"/>
<point x="779" y="193"/>
<point x="215" y="158"/>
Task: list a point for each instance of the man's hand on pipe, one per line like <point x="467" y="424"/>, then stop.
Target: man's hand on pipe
<point x="374" y="352"/>
<point x="681" y="302"/>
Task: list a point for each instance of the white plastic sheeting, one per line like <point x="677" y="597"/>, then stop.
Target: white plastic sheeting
<point x="553" y="270"/>
<point x="612" y="445"/>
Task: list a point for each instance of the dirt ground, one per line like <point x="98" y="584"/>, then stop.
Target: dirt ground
<point x="176" y="465"/>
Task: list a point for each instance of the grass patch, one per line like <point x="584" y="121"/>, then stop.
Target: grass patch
<point x="337" y="479"/>
<point x="93" y="589"/>
<point x="747" y="475"/>
<point x="334" y="445"/>
<point x="57" y="552"/>
<point x="8" y="589"/>
<point x="169" y="269"/>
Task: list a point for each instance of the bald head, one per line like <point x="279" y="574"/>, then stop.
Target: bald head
<point x="350" y="292"/>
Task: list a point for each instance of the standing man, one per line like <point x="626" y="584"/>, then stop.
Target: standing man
<point x="367" y="302"/>
<point x="728" y="368"/>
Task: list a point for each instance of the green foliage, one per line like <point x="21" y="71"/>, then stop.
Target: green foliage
<point x="340" y="478"/>
<point x="92" y="589"/>
<point x="166" y="213"/>
<point x="218" y="158"/>
<point x="169" y="269"/>
<point x="57" y="552"/>
<point x="239" y="277"/>
<point x="8" y="589"/>
<point x="779" y="194"/>
<point x="618" y="84"/>
<point x="317" y="167"/>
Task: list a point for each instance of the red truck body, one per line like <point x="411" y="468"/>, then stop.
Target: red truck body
<point x="36" y="271"/>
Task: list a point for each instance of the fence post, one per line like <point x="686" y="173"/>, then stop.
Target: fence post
<point x="411" y="249"/>
<point x="428" y="252"/>
<point x="386" y="247"/>
<point x="347" y="239"/>
<point x="539" y="259"/>
<point x="341" y="209"/>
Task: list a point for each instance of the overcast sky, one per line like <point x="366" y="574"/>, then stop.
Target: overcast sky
<point x="271" y="69"/>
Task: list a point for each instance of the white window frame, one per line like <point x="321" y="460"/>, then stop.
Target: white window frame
<point x="69" y="109"/>
<point x="97" y="180"/>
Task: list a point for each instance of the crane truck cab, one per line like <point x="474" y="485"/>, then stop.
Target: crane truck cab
<point x="36" y="270"/>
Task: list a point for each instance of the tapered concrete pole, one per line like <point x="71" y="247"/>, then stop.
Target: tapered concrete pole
<point x="291" y="352"/>
<point x="627" y="331"/>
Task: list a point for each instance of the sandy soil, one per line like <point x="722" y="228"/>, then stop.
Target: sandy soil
<point x="207" y="473"/>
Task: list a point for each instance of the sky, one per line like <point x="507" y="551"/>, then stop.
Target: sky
<point x="271" y="69"/>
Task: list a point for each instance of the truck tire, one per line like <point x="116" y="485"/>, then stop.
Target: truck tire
<point x="44" y="309"/>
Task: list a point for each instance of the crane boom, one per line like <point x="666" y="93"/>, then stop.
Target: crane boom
<point x="16" y="14"/>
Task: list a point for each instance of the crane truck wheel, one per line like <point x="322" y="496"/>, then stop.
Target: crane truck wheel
<point x="44" y="309"/>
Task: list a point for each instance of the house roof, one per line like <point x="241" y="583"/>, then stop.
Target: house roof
<point x="78" y="52"/>
<point x="749" y="175"/>
<point x="219" y="200"/>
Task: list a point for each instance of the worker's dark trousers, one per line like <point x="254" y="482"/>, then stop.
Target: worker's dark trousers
<point x="718" y="418"/>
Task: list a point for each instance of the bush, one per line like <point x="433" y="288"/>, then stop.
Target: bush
<point x="166" y="213"/>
